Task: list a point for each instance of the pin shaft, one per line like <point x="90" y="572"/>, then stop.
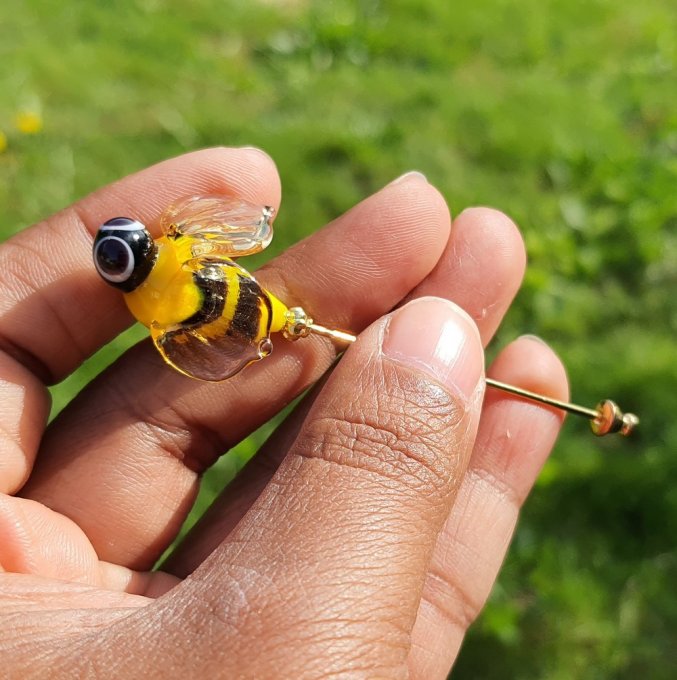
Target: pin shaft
<point x="340" y="336"/>
<point x="564" y="405"/>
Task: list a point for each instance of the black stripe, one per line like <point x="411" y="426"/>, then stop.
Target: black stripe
<point x="214" y="289"/>
<point x="245" y="322"/>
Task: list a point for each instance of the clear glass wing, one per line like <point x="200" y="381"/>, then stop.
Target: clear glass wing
<point x="205" y="356"/>
<point x="221" y="226"/>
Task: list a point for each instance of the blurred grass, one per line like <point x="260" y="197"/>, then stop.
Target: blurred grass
<point x="563" y="113"/>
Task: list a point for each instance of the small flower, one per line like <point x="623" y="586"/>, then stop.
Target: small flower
<point x="3" y="141"/>
<point x="28" y="122"/>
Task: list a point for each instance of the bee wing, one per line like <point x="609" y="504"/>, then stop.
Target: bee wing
<point x="220" y="226"/>
<point x="206" y="358"/>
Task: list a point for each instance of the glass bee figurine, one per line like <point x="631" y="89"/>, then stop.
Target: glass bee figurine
<point x="208" y="317"/>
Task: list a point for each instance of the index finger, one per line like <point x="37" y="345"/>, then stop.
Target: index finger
<point x="54" y="312"/>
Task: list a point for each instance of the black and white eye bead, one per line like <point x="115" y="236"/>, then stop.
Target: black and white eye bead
<point x="124" y="253"/>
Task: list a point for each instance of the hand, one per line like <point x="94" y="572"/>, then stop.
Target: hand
<point x="364" y="537"/>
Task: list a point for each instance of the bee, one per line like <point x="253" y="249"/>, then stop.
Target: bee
<point x="208" y="316"/>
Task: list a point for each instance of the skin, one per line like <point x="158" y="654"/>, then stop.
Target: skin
<point x="365" y="536"/>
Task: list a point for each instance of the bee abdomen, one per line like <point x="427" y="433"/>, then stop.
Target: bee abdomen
<point x="232" y="304"/>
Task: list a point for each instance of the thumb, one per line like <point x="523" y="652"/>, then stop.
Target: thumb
<point x="328" y="565"/>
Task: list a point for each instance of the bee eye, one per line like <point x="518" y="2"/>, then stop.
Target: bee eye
<point x="124" y="253"/>
<point x="114" y="259"/>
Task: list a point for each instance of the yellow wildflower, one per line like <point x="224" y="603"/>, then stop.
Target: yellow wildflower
<point x="3" y="141"/>
<point x="28" y="122"/>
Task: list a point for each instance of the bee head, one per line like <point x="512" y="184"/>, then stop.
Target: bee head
<point x="124" y="253"/>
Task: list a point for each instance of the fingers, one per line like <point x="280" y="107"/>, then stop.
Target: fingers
<point x="480" y="269"/>
<point x="37" y="541"/>
<point x="331" y="559"/>
<point x="514" y="438"/>
<point x="25" y="409"/>
<point x="54" y="312"/>
<point x="46" y="623"/>
<point x="123" y="460"/>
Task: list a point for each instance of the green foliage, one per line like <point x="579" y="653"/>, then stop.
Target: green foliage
<point x="559" y="112"/>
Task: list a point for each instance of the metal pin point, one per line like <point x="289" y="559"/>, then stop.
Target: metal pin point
<point x="605" y="418"/>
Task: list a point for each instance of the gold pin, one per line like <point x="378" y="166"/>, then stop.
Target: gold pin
<point x="605" y="418"/>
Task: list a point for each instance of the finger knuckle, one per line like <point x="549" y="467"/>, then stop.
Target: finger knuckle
<point x="402" y="436"/>
<point x="453" y="602"/>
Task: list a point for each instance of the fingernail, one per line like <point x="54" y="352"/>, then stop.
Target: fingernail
<point x="535" y="338"/>
<point x="254" y="149"/>
<point x="410" y="175"/>
<point x="438" y="337"/>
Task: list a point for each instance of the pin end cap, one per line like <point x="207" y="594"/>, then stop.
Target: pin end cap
<point x="611" y="419"/>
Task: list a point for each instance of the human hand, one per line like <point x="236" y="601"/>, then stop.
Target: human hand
<point x="365" y="536"/>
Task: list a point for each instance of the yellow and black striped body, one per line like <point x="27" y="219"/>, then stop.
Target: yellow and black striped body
<point x="231" y="303"/>
<point x="208" y="316"/>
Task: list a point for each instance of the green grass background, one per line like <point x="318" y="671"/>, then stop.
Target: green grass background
<point x="563" y="113"/>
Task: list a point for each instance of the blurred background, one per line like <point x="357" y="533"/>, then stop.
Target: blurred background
<point x="562" y="113"/>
